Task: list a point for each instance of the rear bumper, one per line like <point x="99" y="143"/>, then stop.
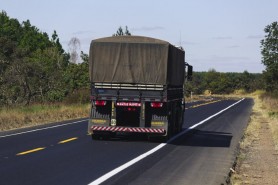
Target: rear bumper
<point x="128" y="129"/>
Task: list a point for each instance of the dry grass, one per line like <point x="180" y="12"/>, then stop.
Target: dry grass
<point x="264" y="111"/>
<point x="12" y="118"/>
<point x="251" y="134"/>
<point x="270" y="107"/>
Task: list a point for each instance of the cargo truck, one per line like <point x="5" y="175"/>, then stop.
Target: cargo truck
<point x="137" y="86"/>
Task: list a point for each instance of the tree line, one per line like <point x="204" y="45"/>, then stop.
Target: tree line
<point x="34" y="68"/>
<point x="224" y="83"/>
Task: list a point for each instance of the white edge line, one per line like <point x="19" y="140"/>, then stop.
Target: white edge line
<point x="35" y="130"/>
<point x="142" y="156"/>
<point x="126" y="165"/>
<point x="205" y="120"/>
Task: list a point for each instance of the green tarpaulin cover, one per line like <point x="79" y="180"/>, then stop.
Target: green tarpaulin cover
<point x="135" y="60"/>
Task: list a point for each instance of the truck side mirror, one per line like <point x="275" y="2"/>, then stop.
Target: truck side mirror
<point x="189" y="72"/>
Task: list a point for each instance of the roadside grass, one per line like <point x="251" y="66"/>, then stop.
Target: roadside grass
<point x="265" y="111"/>
<point x="270" y="107"/>
<point x="21" y="117"/>
<point x="194" y="98"/>
<point x="251" y="134"/>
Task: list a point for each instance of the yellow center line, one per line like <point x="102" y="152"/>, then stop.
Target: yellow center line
<point x="68" y="140"/>
<point x="30" y="151"/>
<point x="194" y="106"/>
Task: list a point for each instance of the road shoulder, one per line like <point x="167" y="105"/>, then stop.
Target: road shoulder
<point x="257" y="162"/>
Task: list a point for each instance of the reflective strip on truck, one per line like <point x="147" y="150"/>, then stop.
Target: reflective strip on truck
<point x="128" y="129"/>
<point x="129" y="104"/>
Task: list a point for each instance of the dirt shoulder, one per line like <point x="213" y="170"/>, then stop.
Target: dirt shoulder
<point x="257" y="162"/>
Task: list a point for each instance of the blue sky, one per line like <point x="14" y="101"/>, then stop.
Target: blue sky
<point x="220" y="34"/>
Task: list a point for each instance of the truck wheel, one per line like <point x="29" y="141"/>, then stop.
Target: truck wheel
<point x="158" y="139"/>
<point x="95" y="137"/>
<point x="180" y="120"/>
<point x="101" y="136"/>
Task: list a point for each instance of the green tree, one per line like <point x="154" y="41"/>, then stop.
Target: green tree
<point x="48" y="75"/>
<point x="56" y="42"/>
<point x="269" y="51"/>
<point x="246" y="80"/>
<point x="212" y="79"/>
<point x="31" y="65"/>
<point x="121" y="32"/>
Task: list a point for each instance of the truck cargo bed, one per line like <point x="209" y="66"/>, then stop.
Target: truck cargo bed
<point x="135" y="92"/>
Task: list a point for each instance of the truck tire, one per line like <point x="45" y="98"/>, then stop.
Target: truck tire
<point x="101" y="136"/>
<point x="180" y="118"/>
<point x="95" y="137"/>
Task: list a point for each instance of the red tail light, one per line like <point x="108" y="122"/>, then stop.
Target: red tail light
<point x="156" y="105"/>
<point x="131" y="109"/>
<point x="100" y="103"/>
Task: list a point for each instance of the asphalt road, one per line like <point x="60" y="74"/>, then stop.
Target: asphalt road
<point x="62" y="153"/>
